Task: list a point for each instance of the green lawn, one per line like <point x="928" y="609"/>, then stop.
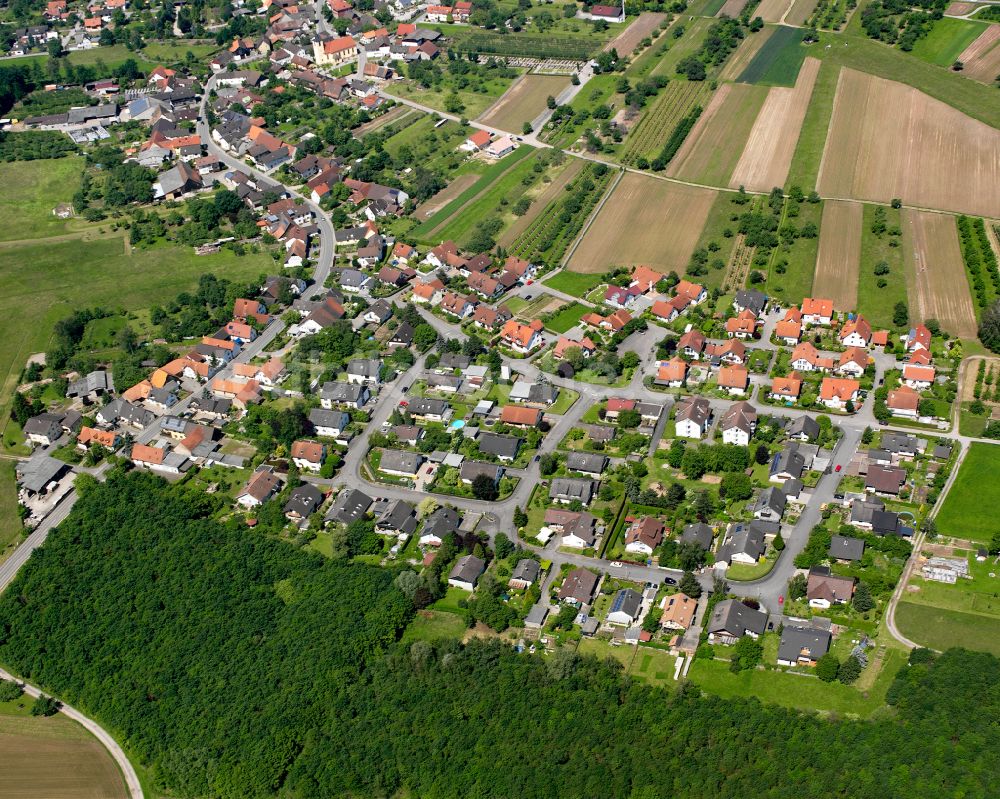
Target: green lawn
<point x="969" y="509"/>
<point x="796" y="690"/>
<point x="798" y="259"/>
<point x="655" y="666"/>
<point x="946" y="41"/>
<point x="942" y="629"/>
<point x="449" y="602"/>
<point x="745" y="572"/>
<point x="567" y="317"/>
<point x="812" y="137"/>
<point x="31" y="189"/>
<point x="567" y="397"/>
<point x="429" y="625"/>
<point x="777" y="63"/>
<point x="876" y="303"/>
<point x="573" y="282"/>
<point x="177" y="50"/>
<point x="111" y="56"/>
<point x="474" y="103"/>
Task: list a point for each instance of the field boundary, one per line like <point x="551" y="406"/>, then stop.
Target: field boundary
<point x="612" y="185"/>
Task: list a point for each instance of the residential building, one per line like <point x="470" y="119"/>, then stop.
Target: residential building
<point x="693" y="418"/>
<point x="588" y="463"/>
<point x="303" y="502"/>
<point x="678" y="611"/>
<point x="625" y="607"/>
<point x="731" y="620"/>
<point x="837" y="392"/>
<point x="845" y="548"/>
<point x="262" y="485"/>
<point x="802" y="646"/>
<point x="466" y="572"/>
<point x="308" y="455"/>
<point x="644" y="535"/>
<point x="349" y="506"/>
<point x="825" y="589"/>
<point x="578" y="587"/>
<point x="399" y="463"/>
<point x="738" y="424"/>
<point x="525" y="574"/>
<point x="817" y="311"/>
<point x="569" y="489"/>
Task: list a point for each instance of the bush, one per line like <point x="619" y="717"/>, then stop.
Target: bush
<point x="9" y="691"/>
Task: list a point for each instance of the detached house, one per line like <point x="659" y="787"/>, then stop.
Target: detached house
<point x="738" y="424"/>
<point x="308" y="455"/>
<point x="672" y="373"/>
<point x="825" y="589"/>
<point x="904" y="402"/>
<point x="856" y="333"/>
<point x="262" y="485"/>
<point x="853" y="361"/>
<point x="731" y="620"/>
<point x="522" y="338"/>
<point x="836" y="393"/>
<point x="693" y="417"/>
<point x="802" y="646"/>
<point x="645" y="535"/>
<point x="817" y="311"/>
<point x="364" y="371"/>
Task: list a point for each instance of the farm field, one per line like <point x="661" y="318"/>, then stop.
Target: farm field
<point x="839" y="260"/>
<point x="489" y="176"/>
<point x="573" y="282"/>
<point x="767" y="157"/>
<point x="877" y="303"/>
<point x="947" y="39"/>
<point x="626" y="41"/>
<point x="746" y="52"/>
<point x="981" y="59"/>
<point x="663" y="221"/>
<point x="560" y="44"/>
<point x="53" y="758"/>
<point x="778" y="61"/>
<point x="432" y="205"/>
<point x="800" y="12"/>
<point x="941" y="629"/>
<point x="862" y="162"/>
<point x="935" y="272"/>
<point x="732" y="8"/>
<point x="658" y="121"/>
<point x="31" y="189"/>
<point x="474" y="103"/>
<point x="705" y="8"/>
<point x="523" y="101"/>
<point x="960" y="9"/>
<point x="712" y="148"/>
<point x="694" y="35"/>
<point x="796" y="690"/>
<point x="772" y="10"/>
<point x="969" y="510"/>
<point x="541" y="199"/>
<point x="797" y="258"/>
<point x="812" y="137"/>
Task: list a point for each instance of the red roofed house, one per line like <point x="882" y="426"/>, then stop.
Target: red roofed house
<point x="918" y="377"/>
<point x="789" y="329"/>
<point x="693" y="291"/>
<point x="743" y="325"/>
<point x="645" y="279"/>
<point x="587" y="347"/>
<point x="672" y="373"/>
<point x="734" y="378"/>
<point x="806" y="358"/>
<point x="308" y="455"/>
<point x="520" y="416"/>
<point x="692" y="344"/>
<point x="665" y="310"/>
<point x="606" y="13"/>
<point x="334" y="52"/>
<point x="521" y="338"/>
<point x="618" y="404"/>
<point x="904" y="401"/>
<point x="438" y="13"/>
<point x="836" y="392"/>
<point x="341" y="8"/>
<point x="856" y="333"/>
<point x="853" y="361"/>
<point x="817" y="311"/>
<point x="616" y="321"/>
<point x="477" y="141"/>
<point x="919" y="338"/>
<point x="786" y="388"/>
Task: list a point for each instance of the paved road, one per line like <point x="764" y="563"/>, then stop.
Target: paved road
<point x="327" y="247"/>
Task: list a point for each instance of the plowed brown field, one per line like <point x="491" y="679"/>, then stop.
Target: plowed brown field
<point x="981" y="59"/>
<point x="839" y="259"/>
<point x="888" y="140"/>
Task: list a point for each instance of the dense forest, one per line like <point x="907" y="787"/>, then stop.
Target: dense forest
<point x="239" y="666"/>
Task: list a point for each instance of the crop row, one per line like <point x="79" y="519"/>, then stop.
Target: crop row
<point x="673" y="104"/>
<point x="575" y="48"/>
<point x="980" y="262"/>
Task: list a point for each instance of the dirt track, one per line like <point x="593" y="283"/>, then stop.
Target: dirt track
<point x="888" y="140"/>
<point x="767" y="156"/>
<point x="839" y="259"/>
<point x="645" y="221"/>
<point x="935" y="273"/>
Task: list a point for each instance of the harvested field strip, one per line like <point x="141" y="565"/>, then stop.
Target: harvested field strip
<point x="767" y="156"/>
<point x="947" y="39"/>
<point x="772" y="10"/>
<point x="546" y="239"/>
<point x="960" y="9"/>
<point x="746" y="53"/>
<point x="434" y="204"/>
<point x="732" y="8"/>
<point x="552" y="191"/>
<point x="812" y="137"/>
<point x="839" y="260"/>
<point x="713" y="147"/>
<point x="778" y="62"/>
<point x="488" y="177"/>
<point x="738" y="269"/>
<point x="935" y="273"/>
<point x="659" y="120"/>
<point x="55" y="758"/>
<point x="936" y="158"/>
<point x="981" y="59"/>
<point x="523" y="101"/>
<point x="800" y="11"/>
<point x="626" y="41"/>
<point x="664" y="221"/>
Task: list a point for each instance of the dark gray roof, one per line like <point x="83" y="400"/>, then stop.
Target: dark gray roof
<point x="773" y="499"/>
<point x="527" y="570"/>
<point x="341" y="392"/>
<point x="468" y="568"/>
<point x="573" y="488"/>
<point x="733" y="617"/>
<point x="789" y="461"/>
<point x="321" y="417"/>
<point x="423" y="406"/>
<point x="454" y="360"/>
<point x="579" y="585"/>
<point x="399" y="516"/>
<point x="349" y="506"/>
<point x="863" y="509"/>
<point x="366" y="367"/>
<point x="753" y="300"/>
<point x="698" y="533"/>
<point x="99" y="380"/>
<point x="398" y="461"/>
<point x="627" y="601"/>
<point x="591" y="463"/>
<point x="885" y="522"/>
<point x="742" y="538"/>
<point x="498" y="445"/>
<point x="803" y="425"/>
<point x="904" y="443"/>
<point x="441" y="522"/>
<point x="796" y="641"/>
<point x="40" y="470"/>
<point x="470" y="470"/>
<point x="304" y="500"/>
<point x="845" y="548"/>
